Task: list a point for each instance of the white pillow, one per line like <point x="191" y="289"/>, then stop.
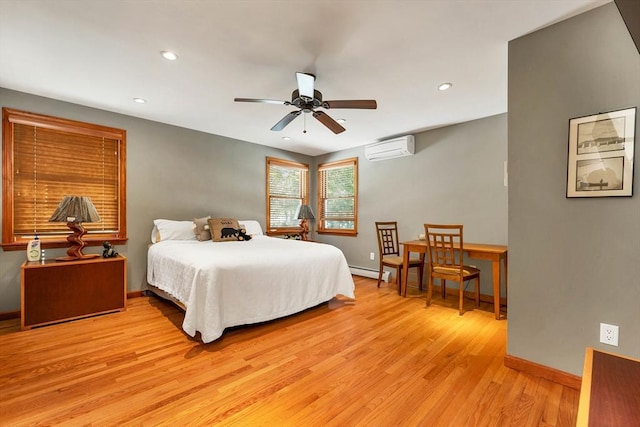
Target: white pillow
<point x="172" y="230"/>
<point x="252" y="227"/>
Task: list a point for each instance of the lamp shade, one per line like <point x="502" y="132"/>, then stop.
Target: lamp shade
<point x="75" y="209"/>
<point x="305" y="212"/>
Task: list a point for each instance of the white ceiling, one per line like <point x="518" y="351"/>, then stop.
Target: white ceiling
<point x="102" y="54"/>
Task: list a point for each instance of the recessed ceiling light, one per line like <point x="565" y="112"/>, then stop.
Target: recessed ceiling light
<point x="286" y="138"/>
<point x="169" y="55"/>
<point x="341" y="120"/>
<point x="444" y="86"/>
<point x="140" y="100"/>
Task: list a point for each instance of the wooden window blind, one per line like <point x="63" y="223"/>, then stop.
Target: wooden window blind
<point x="338" y="197"/>
<point x="287" y="190"/>
<point x="47" y="158"/>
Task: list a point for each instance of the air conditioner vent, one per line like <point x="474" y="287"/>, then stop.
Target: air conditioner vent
<point x="390" y="149"/>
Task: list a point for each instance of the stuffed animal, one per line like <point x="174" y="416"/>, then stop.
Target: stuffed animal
<point x="109" y="251"/>
<point x="242" y="234"/>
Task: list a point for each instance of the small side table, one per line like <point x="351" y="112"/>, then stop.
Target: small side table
<point x="55" y="291"/>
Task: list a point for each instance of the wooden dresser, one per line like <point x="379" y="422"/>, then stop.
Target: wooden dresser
<point x="610" y="391"/>
<point x="55" y="291"/>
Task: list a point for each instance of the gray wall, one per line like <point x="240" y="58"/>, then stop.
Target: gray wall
<point x="456" y="176"/>
<point x="573" y="263"/>
<point x="172" y="173"/>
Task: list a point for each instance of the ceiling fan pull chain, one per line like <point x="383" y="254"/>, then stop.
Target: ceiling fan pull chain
<point x="304" y="121"/>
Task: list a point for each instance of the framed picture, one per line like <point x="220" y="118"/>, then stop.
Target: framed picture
<point x="600" y="162"/>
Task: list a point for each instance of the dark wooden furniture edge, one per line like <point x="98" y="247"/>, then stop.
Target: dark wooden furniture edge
<point x="609" y="393"/>
<point x="8" y="315"/>
<point x="551" y="374"/>
<point x="585" y="392"/>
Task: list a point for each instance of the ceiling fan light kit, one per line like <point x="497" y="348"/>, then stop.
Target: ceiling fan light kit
<point x="307" y="99"/>
<point x="305" y="86"/>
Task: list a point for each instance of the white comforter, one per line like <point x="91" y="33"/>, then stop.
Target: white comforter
<point x="226" y="284"/>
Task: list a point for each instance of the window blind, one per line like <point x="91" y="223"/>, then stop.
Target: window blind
<point x="337" y="201"/>
<point x="49" y="164"/>
<point x="50" y="158"/>
<point x="287" y="189"/>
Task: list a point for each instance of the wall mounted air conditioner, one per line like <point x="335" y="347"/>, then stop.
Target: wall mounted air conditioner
<point x="390" y="149"/>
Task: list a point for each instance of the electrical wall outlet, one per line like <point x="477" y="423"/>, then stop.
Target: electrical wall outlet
<point x="609" y="334"/>
<point x="372" y="256"/>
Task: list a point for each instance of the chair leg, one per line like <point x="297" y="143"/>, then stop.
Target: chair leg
<point x="405" y="285"/>
<point x="478" y="291"/>
<point x="443" y="288"/>
<point x="380" y="274"/>
<point x="461" y="297"/>
<point x="429" y="290"/>
<point x="399" y="280"/>
<point x="420" y="272"/>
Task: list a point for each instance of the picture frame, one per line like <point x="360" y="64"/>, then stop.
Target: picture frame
<point x="601" y="149"/>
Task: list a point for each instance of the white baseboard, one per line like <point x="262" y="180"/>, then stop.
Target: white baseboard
<point x="369" y="272"/>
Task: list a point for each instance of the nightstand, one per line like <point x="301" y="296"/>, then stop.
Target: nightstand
<point x="54" y="291"/>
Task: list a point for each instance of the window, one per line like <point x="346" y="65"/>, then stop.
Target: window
<point x="338" y="197"/>
<point x="287" y="190"/>
<point x="46" y="158"/>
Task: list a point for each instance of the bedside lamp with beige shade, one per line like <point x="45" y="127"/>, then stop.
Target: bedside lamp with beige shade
<point x="74" y="210"/>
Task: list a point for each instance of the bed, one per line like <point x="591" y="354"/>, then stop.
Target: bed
<point x="231" y="283"/>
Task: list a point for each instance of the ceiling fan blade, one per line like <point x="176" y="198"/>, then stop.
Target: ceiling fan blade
<point x="328" y="122"/>
<point x="369" y="104"/>
<point x="286" y="120"/>
<point x="306" y="85"/>
<point x="265" y="101"/>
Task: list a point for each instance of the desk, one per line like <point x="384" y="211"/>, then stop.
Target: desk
<point x="493" y="253"/>
<point x="610" y="391"/>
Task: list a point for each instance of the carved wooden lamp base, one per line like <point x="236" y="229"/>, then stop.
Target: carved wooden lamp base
<point x="305" y="229"/>
<point x="75" y="251"/>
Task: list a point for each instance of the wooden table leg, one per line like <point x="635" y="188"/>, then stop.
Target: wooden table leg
<point x="405" y="270"/>
<point x="495" y="267"/>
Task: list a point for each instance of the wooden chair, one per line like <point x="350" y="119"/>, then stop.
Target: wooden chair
<point x="444" y="251"/>
<point x="389" y="253"/>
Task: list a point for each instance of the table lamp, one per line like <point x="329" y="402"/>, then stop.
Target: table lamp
<point x="304" y="214"/>
<point x="74" y="210"/>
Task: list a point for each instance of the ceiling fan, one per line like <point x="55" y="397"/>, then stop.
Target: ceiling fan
<point x="307" y="99"/>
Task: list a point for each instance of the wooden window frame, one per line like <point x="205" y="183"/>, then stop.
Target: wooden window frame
<point x="350" y="162"/>
<point x="11" y="241"/>
<point x="270" y="230"/>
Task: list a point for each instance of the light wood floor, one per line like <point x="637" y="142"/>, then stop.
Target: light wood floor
<point x="381" y="361"/>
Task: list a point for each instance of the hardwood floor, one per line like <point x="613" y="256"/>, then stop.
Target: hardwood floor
<point x="381" y="361"/>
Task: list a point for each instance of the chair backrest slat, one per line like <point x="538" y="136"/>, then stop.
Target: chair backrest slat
<point x="387" y="232"/>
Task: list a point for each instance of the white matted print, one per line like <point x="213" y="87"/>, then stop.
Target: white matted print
<point x="600" y="162"/>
